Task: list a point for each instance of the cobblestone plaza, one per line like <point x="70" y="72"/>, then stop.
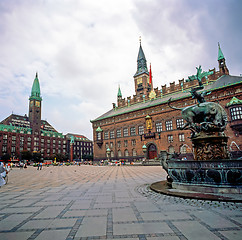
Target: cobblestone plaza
<point x="107" y="202"/>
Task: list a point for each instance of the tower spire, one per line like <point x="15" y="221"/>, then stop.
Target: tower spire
<point x="222" y="64"/>
<point x="141" y="61"/>
<point x="220" y="53"/>
<point x="119" y="92"/>
<point x="35" y="92"/>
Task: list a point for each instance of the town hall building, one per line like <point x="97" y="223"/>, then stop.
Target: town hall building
<point x="141" y="126"/>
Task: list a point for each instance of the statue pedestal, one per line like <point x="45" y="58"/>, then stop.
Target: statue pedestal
<point x="210" y="146"/>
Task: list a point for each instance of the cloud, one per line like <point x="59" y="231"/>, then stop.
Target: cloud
<point x="83" y="49"/>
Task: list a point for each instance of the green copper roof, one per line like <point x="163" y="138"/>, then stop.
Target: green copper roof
<point x="119" y="92"/>
<point x="220" y="54"/>
<point x="141" y="62"/>
<point x="99" y="129"/>
<point x="35" y="92"/>
<point x="234" y="101"/>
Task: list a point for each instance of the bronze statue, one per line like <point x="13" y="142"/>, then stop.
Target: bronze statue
<point x="204" y="116"/>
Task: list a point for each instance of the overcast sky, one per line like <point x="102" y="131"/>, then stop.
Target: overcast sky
<point x="83" y="49"/>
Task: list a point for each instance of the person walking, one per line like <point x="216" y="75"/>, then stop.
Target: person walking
<point x="37" y="166"/>
<point x="2" y="174"/>
<point x="40" y="165"/>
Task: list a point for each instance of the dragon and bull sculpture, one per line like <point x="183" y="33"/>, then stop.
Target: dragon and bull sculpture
<point x="207" y="122"/>
<point x="204" y="116"/>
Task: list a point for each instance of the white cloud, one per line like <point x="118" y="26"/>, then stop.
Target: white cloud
<point x="82" y="50"/>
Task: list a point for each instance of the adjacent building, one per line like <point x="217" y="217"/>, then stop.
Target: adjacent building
<point x="29" y="134"/>
<point x="141" y="126"/>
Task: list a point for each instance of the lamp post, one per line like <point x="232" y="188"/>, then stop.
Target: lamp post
<point x="108" y="153"/>
<point x="144" y="149"/>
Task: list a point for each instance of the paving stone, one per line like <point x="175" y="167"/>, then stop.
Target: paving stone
<point x="92" y="226"/>
<point x="20" y="210"/>
<point x="234" y="235"/>
<point x="213" y="220"/>
<point x="194" y="230"/>
<point x="146" y="207"/>
<point x="36" y="224"/>
<point x="50" y="212"/>
<point x="165" y="215"/>
<point x="124" y="215"/>
<point x="16" y="235"/>
<point x="141" y="228"/>
<point x="60" y="223"/>
<point x="12" y="221"/>
<point x="59" y="234"/>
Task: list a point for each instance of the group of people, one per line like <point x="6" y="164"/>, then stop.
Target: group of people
<point x="3" y="172"/>
<point x="39" y="166"/>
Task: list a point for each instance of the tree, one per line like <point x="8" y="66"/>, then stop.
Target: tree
<point x="6" y="157"/>
<point x="36" y="156"/>
<point x="26" y="155"/>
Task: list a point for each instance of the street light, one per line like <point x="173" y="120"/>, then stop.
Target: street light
<point x="108" y="153"/>
<point x="144" y="148"/>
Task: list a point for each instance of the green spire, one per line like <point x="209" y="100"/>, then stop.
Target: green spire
<point x="119" y="92"/>
<point x="141" y="62"/>
<point x="220" y="54"/>
<point x="35" y="92"/>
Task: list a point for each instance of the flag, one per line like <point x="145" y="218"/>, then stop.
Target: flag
<point x="150" y="75"/>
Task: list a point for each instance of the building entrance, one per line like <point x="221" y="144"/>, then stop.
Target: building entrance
<point x="152" y="151"/>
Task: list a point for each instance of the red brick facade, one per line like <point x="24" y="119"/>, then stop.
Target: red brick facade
<point x="120" y="130"/>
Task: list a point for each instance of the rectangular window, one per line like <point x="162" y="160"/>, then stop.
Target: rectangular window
<point x="170" y="138"/>
<point x="119" y="133"/>
<point x="99" y="136"/>
<point x="126" y="143"/>
<point x="158" y="126"/>
<point x="119" y="144"/>
<point x="112" y="134"/>
<point x="106" y="135"/>
<point x="169" y="125"/>
<point x="179" y="123"/>
<point x="141" y="130"/>
<point x="133" y="142"/>
<point x="132" y="131"/>
<point x="111" y="144"/>
<point x="125" y="132"/>
<point x="181" y="137"/>
<point x="236" y="113"/>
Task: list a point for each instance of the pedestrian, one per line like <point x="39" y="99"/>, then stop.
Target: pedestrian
<point x="40" y="166"/>
<point x="2" y="174"/>
<point x="37" y="166"/>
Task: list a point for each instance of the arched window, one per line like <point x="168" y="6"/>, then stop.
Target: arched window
<point x="183" y="149"/>
<point x="134" y="153"/>
<point x="119" y="153"/>
<point x="126" y="153"/>
<point x="171" y="149"/>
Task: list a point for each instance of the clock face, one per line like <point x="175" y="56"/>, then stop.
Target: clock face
<point x="37" y="104"/>
<point x="139" y="81"/>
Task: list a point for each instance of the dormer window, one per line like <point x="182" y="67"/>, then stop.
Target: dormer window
<point x="236" y="113"/>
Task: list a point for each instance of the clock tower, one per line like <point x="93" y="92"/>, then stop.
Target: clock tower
<point x="35" y="106"/>
<point x="141" y="77"/>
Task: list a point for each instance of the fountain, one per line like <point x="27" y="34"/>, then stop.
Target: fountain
<point x="212" y="170"/>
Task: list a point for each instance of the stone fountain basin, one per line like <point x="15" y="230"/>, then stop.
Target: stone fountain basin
<point x="212" y="176"/>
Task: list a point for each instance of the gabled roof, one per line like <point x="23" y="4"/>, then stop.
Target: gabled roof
<point x="225" y="80"/>
<point x="234" y="101"/>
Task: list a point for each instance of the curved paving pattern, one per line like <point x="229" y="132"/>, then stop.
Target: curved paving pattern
<point x="91" y="202"/>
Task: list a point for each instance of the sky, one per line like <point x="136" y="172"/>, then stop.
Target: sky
<point x="84" y="49"/>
